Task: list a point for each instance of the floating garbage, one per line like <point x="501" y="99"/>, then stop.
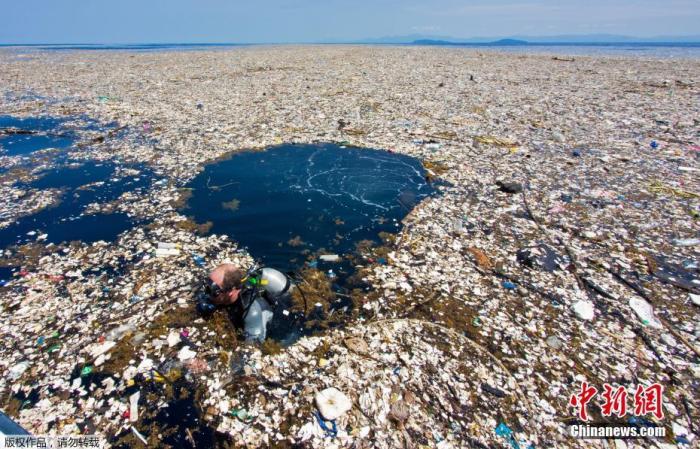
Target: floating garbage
<point x="686" y="242"/>
<point x="199" y="260"/>
<point x="186" y="354"/>
<point x="694" y="298"/>
<point x="584" y="310"/>
<point x="16" y="371"/>
<point x="134" y="406"/>
<point x="139" y="435"/>
<point x="167" y="252"/>
<point x="508" y="285"/>
<point x="332" y="403"/>
<point x="645" y="312"/>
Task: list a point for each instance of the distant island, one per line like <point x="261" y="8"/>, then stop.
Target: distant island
<point x="516" y="40"/>
<point x="442" y="42"/>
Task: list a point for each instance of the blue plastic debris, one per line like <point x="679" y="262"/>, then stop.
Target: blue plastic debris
<point x="576" y="153"/>
<point x="654" y="144"/>
<point x="502" y="430"/>
<point x="508" y="285"/>
<point x="682" y="440"/>
<point x="381" y="261"/>
<point x="330" y="431"/>
<point x="199" y="260"/>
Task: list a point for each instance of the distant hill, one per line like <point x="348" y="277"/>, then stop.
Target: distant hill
<point x="418" y="39"/>
<point x="442" y="42"/>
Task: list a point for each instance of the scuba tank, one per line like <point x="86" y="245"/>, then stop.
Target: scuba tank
<point x="265" y="287"/>
<point x="273" y="284"/>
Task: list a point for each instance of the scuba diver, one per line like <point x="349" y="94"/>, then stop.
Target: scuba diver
<point x="253" y="296"/>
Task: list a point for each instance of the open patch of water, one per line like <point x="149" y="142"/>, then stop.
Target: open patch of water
<point x="296" y="206"/>
<point x="81" y="184"/>
<point x="23" y="136"/>
<point x="6" y="274"/>
<point x="291" y="202"/>
<point x="20" y="136"/>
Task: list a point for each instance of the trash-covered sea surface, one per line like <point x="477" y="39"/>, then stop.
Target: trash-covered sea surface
<point x="535" y="269"/>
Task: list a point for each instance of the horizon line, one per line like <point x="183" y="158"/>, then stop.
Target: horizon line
<point x="367" y="41"/>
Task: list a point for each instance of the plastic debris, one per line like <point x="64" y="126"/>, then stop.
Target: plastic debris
<point x="694" y="298"/>
<point x="686" y="242"/>
<point x="186" y="354"/>
<point x="134" y="406"/>
<point x="16" y="371"/>
<point x="199" y="260"/>
<point x="645" y="312"/>
<point x="173" y="338"/>
<point x="139" y="435"/>
<point x="332" y="430"/>
<point x="584" y="310"/>
<point x="101" y="348"/>
<point x="243" y="415"/>
<point x="332" y="403"/>
<point x="508" y="285"/>
<point x="167" y="252"/>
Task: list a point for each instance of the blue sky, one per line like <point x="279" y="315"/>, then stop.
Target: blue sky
<point x="131" y="21"/>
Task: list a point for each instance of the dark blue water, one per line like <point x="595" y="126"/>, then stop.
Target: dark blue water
<point x="6" y="274"/>
<point x="47" y="132"/>
<point x="83" y="184"/>
<point x="292" y="202"/>
<point x="72" y="176"/>
<point x="145" y="47"/>
<point x="43" y="133"/>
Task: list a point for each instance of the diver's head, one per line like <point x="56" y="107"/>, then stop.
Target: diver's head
<point x="224" y="284"/>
